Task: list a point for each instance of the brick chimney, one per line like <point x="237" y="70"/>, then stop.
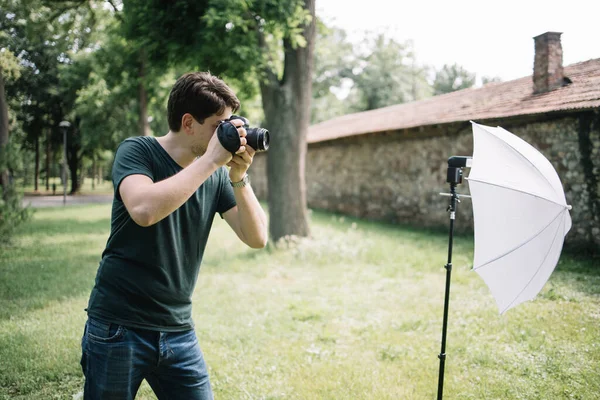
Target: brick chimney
<point x="548" y="63"/>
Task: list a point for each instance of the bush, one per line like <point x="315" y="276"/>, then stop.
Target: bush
<point x="12" y="212"/>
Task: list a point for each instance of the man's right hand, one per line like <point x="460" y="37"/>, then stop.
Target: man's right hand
<point x="217" y="153"/>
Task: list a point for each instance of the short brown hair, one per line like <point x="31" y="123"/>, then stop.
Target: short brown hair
<point x="200" y="94"/>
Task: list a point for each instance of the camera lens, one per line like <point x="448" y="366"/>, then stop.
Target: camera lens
<point x="258" y="138"/>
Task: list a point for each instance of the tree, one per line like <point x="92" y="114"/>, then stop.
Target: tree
<point x="92" y="78"/>
<point x="490" y="79"/>
<point x="3" y="131"/>
<point x="286" y="102"/>
<point x="451" y="78"/>
<point x="12" y="212"/>
<point x="101" y="109"/>
<point x="387" y="74"/>
<point x="271" y="42"/>
<point x="8" y="66"/>
<point x="384" y="79"/>
<point x="334" y="60"/>
<point x="67" y="70"/>
<point x="42" y="39"/>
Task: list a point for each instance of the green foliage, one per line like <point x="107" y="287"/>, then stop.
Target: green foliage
<point x="12" y="212"/>
<point x="165" y="30"/>
<point x="84" y="61"/>
<point x="451" y="78"/>
<point x="387" y="74"/>
<point x="9" y="64"/>
<point x="329" y="106"/>
<point x="74" y="65"/>
<point x="376" y="73"/>
<point x="103" y="113"/>
<point x="17" y="157"/>
<point x="42" y="40"/>
<point x="32" y="94"/>
<point x="490" y="79"/>
<point x="223" y="36"/>
<point x="334" y="61"/>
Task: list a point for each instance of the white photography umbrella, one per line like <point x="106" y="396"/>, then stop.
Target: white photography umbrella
<point x="520" y="215"/>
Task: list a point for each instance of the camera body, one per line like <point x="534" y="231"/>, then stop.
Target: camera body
<point x="257" y="138"/>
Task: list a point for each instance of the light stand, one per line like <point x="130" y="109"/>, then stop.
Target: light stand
<point x="454" y="178"/>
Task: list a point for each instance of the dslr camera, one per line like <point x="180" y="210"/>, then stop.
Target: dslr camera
<point x="257" y="138"/>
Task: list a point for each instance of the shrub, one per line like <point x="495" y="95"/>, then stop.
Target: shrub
<point x="12" y="212"/>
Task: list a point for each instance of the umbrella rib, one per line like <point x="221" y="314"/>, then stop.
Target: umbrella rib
<point x="515" y="190"/>
<point x="521" y="245"/>
<point x="527" y="159"/>
<point x="536" y="272"/>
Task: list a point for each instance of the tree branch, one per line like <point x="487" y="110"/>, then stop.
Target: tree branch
<point x="116" y="10"/>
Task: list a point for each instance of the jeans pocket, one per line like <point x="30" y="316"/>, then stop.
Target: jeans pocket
<point x="104" y="332"/>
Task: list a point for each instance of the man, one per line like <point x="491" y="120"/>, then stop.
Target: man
<point x="167" y="192"/>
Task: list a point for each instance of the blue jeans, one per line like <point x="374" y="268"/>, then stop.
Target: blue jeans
<point x="115" y="359"/>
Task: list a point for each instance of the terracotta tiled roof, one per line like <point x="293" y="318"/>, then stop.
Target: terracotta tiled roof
<point x="495" y="100"/>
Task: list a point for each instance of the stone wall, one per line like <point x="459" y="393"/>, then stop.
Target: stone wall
<point x="397" y="176"/>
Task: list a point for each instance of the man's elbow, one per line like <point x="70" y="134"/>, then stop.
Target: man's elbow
<point x="259" y="242"/>
<point x="142" y="216"/>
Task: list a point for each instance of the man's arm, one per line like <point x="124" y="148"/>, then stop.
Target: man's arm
<point x="148" y="202"/>
<point x="247" y="219"/>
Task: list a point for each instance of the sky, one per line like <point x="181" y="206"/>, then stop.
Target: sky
<point x="489" y="38"/>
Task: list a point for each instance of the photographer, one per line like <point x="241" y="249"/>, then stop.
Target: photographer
<point x="167" y="192"/>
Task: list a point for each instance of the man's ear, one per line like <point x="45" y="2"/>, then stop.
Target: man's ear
<point x="187" y="123"/>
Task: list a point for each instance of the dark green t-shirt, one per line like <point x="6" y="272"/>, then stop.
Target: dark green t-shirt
<point x="147" y="275"/>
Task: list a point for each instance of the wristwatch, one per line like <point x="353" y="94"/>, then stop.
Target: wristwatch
<point x="245" y="181"/>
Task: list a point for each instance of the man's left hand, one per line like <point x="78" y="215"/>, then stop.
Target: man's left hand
<point x="240" y="163"/>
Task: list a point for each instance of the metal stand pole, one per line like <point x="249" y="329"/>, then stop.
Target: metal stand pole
<point x="454" y="178"/>
<point x="448" y="266"/>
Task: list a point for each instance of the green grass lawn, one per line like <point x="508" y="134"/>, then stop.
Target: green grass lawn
<point x="353" y="313"/>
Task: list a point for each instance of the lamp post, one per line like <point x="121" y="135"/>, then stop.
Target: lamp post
<point x="64" y="127"/>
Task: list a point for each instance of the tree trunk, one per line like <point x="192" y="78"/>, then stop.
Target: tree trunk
<point x="54" y="163"/>
<point x="287" y="112"/>
<point x="48" y="131"/>
<point x="143" y="99"/>
<point x="74" y="170"/>
<point x="93" y="172"/>
<point x="36" y="172"/>
<point x="3" y="132"/>
<point x="54" y="151"/>
<point x="74" y="157"/>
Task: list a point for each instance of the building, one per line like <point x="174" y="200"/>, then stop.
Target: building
<point x="389" y="164"/>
